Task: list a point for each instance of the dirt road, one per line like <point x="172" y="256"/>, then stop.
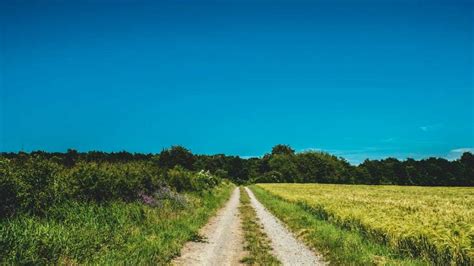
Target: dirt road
<point x="286" y="247"/>
<point x="223" y="239"/>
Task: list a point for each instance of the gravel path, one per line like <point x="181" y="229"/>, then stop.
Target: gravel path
<point x="223" y="239"/>
<point x="287" y="248"/>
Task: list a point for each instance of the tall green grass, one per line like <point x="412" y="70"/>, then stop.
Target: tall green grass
<point x="108" y="233"/>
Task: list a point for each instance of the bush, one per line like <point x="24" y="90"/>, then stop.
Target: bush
<point x="37" y="184"/>
<point x="270" y="177"/>
<point x="8" y="189"/>
<point x="129" y="179"/>
<point x="206" y="180"/>
<point x="90" y="181"/>
<point x="100" y="182"/>
<point x="34" y="183"/>
<point x="180" y="179"/>
<point x="183" y="180"/>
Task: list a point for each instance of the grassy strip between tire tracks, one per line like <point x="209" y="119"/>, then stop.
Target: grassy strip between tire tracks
<point x="338" y="246"/>
<point x="257" y="243"/>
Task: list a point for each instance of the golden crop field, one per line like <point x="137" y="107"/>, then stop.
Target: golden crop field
<point x="436" y="223"/>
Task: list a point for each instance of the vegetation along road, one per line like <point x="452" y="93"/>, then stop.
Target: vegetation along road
<point x="176" y="207"/>
<point x="287" y="248"/>
<point x="221" y="241"/>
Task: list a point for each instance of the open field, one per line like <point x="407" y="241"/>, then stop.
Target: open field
<point x="432" y="223"/>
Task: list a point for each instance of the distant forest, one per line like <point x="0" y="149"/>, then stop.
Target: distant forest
<point x="283" y="164"/>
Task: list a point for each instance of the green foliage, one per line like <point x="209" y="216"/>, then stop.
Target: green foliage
<point x="110" y="233"/>
<point x="282" y="150"/>
<point x="32" y="184"/>
<point x="312" y="167"/>
<point x="299" y="167"/>
<point x="176" y="156"/>
<point x="320" y="167"/>
<point x="285" y="165"/>
<point x="270" y="177"/>
<point x="8" y="189"/>
<point x="180" y="178"/>
<point x="184" y="180"/>
<point x="99" y="182"/>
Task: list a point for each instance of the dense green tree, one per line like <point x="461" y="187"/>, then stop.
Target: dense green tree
<point x="282" y="150"/>
<point x="269" y="177"/>
<point x="467" y="164"/>
<point x="176" y="155"/>
<point x="285" y="165"/>
<point x="71" y="158"/>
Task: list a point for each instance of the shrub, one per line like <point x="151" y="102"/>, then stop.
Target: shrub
<point x="8" y="189"/>
<point x="180" y="179"/>
<point x="34" y="183"/>
<point x="90" y="181"/>
<point x="99" y="182"/>
<point x="38" y="186"/>
<point x="270" y="177"/>
<point x="183" y="180"/>
<point x="129" y="179"/>
<point x="205" y="180"/>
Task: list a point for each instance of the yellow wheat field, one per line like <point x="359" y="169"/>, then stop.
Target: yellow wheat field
<point x="436" y="223"/>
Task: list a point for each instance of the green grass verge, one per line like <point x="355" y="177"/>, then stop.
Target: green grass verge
<point x="113" y="233"/>
<point x="339" y="246"/>
<point x="257" y="243"/>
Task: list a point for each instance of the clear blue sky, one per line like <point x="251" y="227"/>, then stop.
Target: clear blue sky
<point x="355" y="78"/>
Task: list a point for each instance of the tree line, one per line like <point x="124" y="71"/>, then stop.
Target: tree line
<point x="283" y="164"/>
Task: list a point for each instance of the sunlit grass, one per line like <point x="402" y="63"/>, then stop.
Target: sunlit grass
<point x="116" y="232"/>
<point x="433" y="223"/>
<point x="339" y="246"/>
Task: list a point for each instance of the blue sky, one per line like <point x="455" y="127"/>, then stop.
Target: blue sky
<point x="355" y="78"/>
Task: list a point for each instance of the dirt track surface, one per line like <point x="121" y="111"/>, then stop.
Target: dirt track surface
<point x="223" y="239"/>
<point x="286" y="247"/>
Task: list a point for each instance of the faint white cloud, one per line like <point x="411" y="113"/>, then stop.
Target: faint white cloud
<point x="353" y="156"/>
<point x="357" y="156"/>
<point x="310" y="149"/>
<point x="388" y="140"/>
<point x="250" y="156"/>
<point x="427" y="128"/>
<point x="463" y="150"/>
<point x="456" y="153"/>
<point x="336" y="152"/>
